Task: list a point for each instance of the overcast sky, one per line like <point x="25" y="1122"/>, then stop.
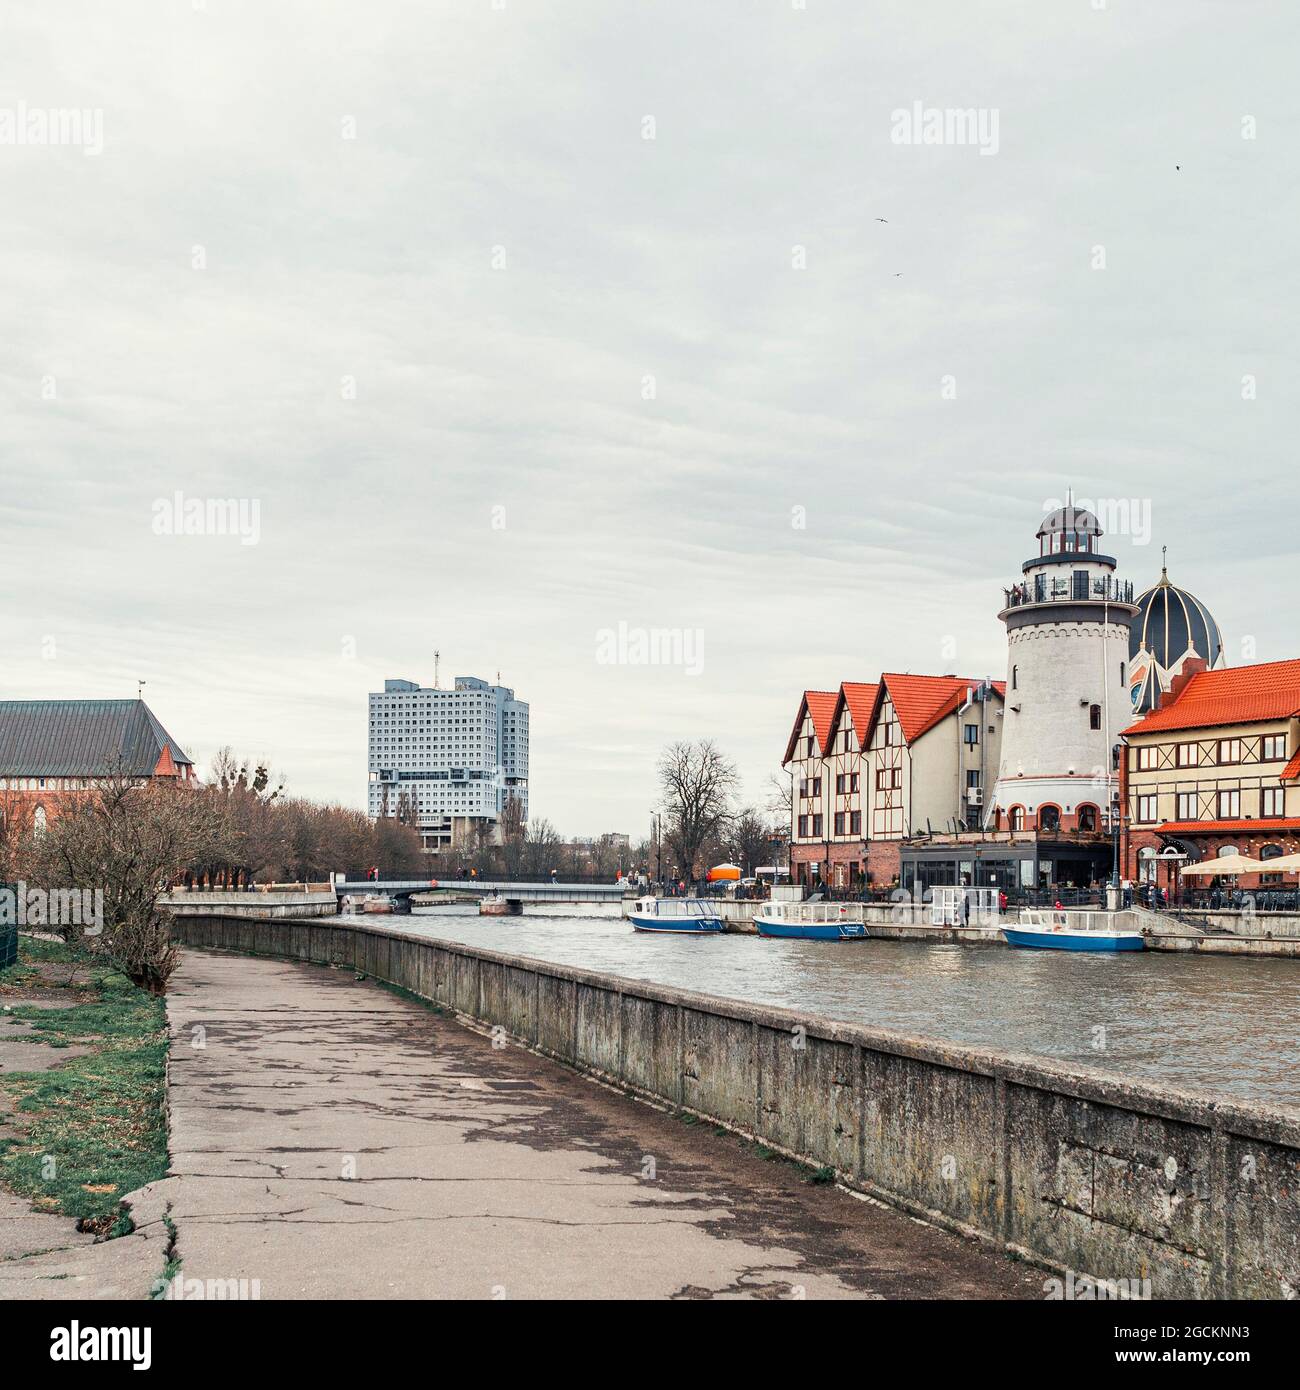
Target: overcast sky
<point x="501" y="372"/>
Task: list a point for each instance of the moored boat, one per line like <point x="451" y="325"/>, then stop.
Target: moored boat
<point x="498" y="905"/>
<point x="811" y="921"/>
<point x="689" y="916"/>
<point x="1052" y="933"/>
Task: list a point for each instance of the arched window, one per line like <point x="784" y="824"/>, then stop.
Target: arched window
<point x="1015" y="678"/>
<point x="1049" y="817"/>
<point x="38" y="819"/>
<point x="1270" y="852"/>
<point x="1122" y="671"/>
<point x="1016" y="817"/>
<point x="1087" y="817"/>
<point x="1094" y="716"/>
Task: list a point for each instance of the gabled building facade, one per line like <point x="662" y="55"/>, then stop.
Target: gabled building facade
<point x="877" y="763"/>
<point x="1214" y="768"/>
<point x="805" y="761"/>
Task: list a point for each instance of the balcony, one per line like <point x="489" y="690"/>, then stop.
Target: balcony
<point x="1079" y="587"/>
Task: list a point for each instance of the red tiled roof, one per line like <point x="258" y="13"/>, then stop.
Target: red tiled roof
<point x="820" y="704"/>
<point x="1292" y="770"/>
<point x="860" y="699"/>
<point x="1242" y="695"/>
<point x="1227" y="827"/>
<point x="922" y="701"/>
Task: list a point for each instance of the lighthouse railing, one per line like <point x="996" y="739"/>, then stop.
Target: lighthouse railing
<point x="1068" y="589"/>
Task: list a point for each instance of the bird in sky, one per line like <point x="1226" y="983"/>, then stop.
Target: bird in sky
<point x="885" y="220"/>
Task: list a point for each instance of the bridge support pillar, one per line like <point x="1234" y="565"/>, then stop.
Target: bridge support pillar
<point x="495" y="907"/>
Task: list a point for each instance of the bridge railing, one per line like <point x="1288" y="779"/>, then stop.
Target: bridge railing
<point x="533" y="887"/>
<point x="454" y="879"/>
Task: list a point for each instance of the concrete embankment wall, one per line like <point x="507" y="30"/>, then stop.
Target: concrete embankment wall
<point x="274" y="903"/>
<point x="1072" y="1168"/>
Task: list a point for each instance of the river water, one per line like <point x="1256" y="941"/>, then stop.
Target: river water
<point x="1215" y="1024"/>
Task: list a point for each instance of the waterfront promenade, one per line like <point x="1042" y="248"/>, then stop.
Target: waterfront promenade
<point x="331" y="1139"/>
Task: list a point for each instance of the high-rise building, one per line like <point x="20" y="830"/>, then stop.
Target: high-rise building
<point x="448" y="762"/>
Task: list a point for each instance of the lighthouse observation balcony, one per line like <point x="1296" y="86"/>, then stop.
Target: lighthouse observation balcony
<point x="1079" y="587"/>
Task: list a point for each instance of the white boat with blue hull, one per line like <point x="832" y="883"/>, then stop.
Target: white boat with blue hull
<point x="1052" y="932"/>
<point x="811" y="921"/>
<point x="680" y="916"/>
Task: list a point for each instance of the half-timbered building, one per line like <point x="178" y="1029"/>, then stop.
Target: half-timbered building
<point x="1214" y="768"/>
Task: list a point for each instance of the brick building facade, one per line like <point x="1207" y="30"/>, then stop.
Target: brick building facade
<point x="54" y="750"/>
<point x="1214" y="768"/>
<point x="876" y="763"/>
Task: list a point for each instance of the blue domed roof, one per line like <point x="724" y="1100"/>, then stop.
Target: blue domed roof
<point x="1170" y="625"/>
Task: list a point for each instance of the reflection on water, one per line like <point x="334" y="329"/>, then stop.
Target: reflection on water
<point x="1217" y="1024"/>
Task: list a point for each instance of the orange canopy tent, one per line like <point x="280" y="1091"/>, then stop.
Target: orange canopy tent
<point x="724" y="873"/>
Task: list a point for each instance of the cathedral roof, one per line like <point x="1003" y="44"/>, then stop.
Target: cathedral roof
<point x="83" y="738"/>
<point x="1171" y="624"/>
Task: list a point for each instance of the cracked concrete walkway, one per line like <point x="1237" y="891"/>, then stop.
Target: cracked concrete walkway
<point x="331" y="1139"/>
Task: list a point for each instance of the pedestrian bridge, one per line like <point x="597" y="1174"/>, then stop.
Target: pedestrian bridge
<point x="400" y="891"/>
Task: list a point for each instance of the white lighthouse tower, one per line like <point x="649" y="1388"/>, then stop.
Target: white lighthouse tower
<point x="1067" y="694"/>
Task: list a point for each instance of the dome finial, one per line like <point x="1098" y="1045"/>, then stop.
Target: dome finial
<point x="1164" y="564"/>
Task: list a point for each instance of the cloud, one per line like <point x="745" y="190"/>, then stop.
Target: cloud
<point x="500" y="300"/>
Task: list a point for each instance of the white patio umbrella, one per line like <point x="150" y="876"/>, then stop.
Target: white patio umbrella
<point x="1225" y="864"/>
<point x="1283" y="864"/>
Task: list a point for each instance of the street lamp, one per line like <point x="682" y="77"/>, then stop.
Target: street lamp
<point x="1116" y="816"/>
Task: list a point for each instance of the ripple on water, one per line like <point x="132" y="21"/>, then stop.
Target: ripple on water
<point x="1207" y="1023"/>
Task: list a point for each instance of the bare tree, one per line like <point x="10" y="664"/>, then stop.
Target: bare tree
<point x="513" y="829"/>
<point x="541" y="848"/>
<point x="780" y="795"/>
<point x="398" y="848"/>
<point x="130" y="839"/>
<point x="258" y="843"/>
<point x="697" y="782"/>
<point x="749" y="840"/>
